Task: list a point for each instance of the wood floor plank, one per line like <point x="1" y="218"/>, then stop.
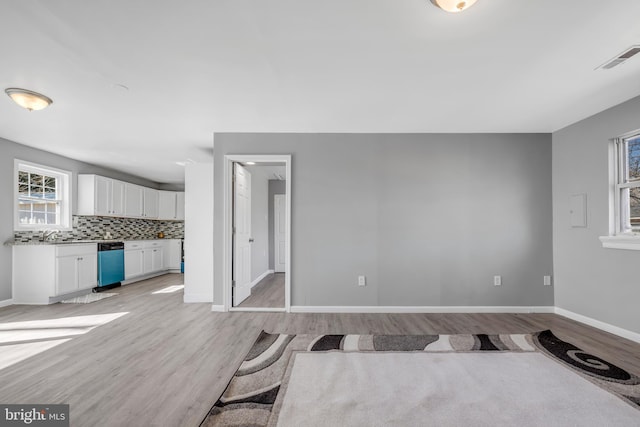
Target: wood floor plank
<point x="165" y="363"/>
<point x="268" y="293"/>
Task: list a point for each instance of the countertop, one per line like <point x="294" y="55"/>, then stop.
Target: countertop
<point x="76" y="242"/>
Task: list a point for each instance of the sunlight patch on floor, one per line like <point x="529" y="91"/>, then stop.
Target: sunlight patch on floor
<point x="40" y="334"/>
<point x="169" y="289"/>
<point x="14" y="353"/>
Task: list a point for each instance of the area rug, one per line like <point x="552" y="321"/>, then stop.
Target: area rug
<point x="86" y="299"/>
<point x="425" y="380"/>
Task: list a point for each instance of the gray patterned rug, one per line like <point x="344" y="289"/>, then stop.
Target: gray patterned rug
<point x="89" y="298"/>
<point x="347" y="380"/>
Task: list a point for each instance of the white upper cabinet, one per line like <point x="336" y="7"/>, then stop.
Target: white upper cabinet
<point x="180" y="205"/>
<point x="170" y="205"/>
<point x="133" y="200"/>
<point x="150" y="203"/>
<point x="100" y="196"/>
<point x="166" y="204"/>
<point x="117" y="197"/>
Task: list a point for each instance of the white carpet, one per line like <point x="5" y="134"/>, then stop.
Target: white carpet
<point x="85" y="299"/>
<point x="452" y="389"/>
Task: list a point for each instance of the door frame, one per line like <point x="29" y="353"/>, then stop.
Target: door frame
<point x="275" y="238"/>
<point x="227" y="253"/>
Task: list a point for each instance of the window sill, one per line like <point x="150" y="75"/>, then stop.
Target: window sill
<point x="629" y="242"/>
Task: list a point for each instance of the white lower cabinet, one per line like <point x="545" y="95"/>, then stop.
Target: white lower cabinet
<point x="173" y="254"/>
<point x="142" y="257"/>
<point x="66" y="274"/>
<point x="42" y="274"/>
<point x="133" y="263"/>
<point x="156" y="259"/>
<point x="76" y="268"/>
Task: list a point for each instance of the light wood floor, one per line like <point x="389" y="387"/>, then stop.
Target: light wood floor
<point x="268" y="293"/>
<point x="165" y="363"/>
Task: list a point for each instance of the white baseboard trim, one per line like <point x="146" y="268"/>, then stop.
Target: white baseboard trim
<point x="421" y="309"/>
<point x="6" y="303"/>
<point x="624" y="333"/>
<point x="259" y="309"/>
<point x="144" y="277"/>
<point x="260" y="277"/>
<point x="191" y="298"/>
<point x="217" y="308"/>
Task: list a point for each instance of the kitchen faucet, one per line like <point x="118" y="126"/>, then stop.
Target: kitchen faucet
<point x="48" y="235"/>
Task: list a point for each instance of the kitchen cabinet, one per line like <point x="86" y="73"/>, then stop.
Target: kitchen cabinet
<point x="167" y="205"/>
<point x="66" y="274"/>
<point x="117" y="197"/>
<point x="133" y="262"/>
<point x="157" y="255"/>
<point x="150" y="205"/>
<point x="100" y="196"/>
<point x="76" y="268"/>
<point x="133" y="200"/>
<point x="172" y="254"/>
<point x="43" y="274"/>
<point x="143" y="257"/>
<point x="171" y="205"/>
<point x="180" y="206"/>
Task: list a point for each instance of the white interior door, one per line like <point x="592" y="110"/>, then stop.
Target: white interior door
<point x="242" y="234"/>
<point x="280" y="232"/>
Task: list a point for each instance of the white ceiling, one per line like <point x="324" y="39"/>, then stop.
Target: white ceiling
<point x="195" y="67"/>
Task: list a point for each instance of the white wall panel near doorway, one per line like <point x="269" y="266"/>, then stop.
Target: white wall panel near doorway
<point x="198" y="233"/>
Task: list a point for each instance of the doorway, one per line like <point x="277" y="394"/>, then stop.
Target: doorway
<point x="257" y="203"/>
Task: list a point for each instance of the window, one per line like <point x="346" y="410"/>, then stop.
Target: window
<point x="627" y="187"/>
<point x="41" y="197"/>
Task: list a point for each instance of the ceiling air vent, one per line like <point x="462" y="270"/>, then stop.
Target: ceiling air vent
<point x="633" y="50"/>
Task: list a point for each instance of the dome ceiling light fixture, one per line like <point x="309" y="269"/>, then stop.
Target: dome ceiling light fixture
<point x="453" y="6"/>
<point x="28" y="99"/>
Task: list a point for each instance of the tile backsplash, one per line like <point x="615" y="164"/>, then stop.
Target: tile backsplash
<point x="95" y="227"/>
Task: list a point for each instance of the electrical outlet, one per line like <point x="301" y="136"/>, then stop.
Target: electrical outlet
<point x="497" y="280"/>
<point x="547" y="280"/>
<point x="362" y="281"/>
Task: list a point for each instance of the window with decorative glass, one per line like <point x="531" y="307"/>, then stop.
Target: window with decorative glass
<point x="42" y="197"/>
<point x="627" y="189"/>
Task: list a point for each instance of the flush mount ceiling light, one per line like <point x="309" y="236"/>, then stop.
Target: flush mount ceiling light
<point x="453" y="6"/>
<point x="28" y="99"/>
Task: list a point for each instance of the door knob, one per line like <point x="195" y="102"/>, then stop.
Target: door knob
<point x="250" y="240"/>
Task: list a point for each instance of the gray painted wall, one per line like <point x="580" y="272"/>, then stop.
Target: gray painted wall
<point x="259" y="222"/>
<point x="589" y="280"/>
<point x="275" y="187"/>
<point x="428" y="218"/>
<point x="8" y="152"/>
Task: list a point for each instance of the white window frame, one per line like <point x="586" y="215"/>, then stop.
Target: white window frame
<point x="621" y="235"/>
<point x="64" y="182"/>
